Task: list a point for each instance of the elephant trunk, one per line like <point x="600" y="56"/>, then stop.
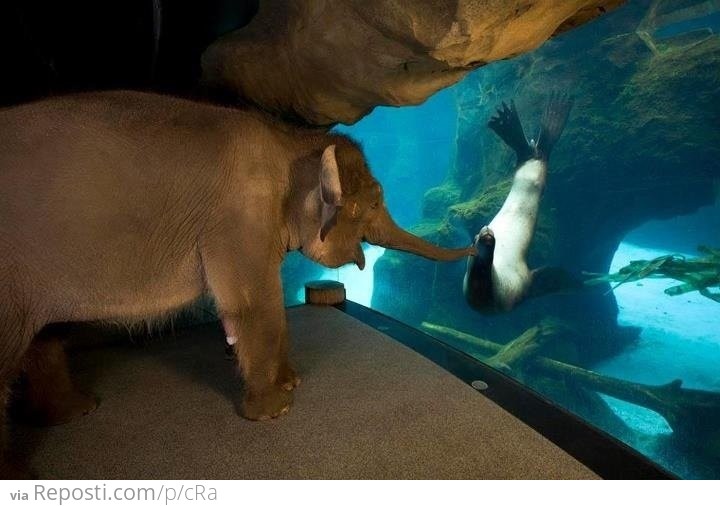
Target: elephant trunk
<point x="383" y="231"/>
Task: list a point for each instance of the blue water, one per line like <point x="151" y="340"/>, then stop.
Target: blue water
<point x="358" y="284"/>
<point x="709" y="22"/>
<point x="679" y="338"/>
<point x="399" y="144"/>
<point x="414" y="149"/>
<point x="409" y="150"/>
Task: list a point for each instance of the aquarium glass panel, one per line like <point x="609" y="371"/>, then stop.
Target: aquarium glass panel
<point x="617" y="317"/>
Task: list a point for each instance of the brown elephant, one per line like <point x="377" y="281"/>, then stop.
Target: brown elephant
<point x="126" y="206"/>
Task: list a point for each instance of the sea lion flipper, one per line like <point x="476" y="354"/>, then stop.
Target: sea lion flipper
<point x="506" y="124"/>
<point x="546" y="280"/>
<point x="552" y="123"/>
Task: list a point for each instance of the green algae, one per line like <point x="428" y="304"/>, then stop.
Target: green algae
<point x="700" y="274"/>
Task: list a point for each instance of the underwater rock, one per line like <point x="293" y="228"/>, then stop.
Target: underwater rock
<point x="326" y="62"/>
<point x="641" y="144"/>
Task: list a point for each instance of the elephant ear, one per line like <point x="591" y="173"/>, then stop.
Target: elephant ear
<point x="330" y="191"/>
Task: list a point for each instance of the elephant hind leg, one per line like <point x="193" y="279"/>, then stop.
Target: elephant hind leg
<point x="17" y="327"/>
<point x="47" y="394"/>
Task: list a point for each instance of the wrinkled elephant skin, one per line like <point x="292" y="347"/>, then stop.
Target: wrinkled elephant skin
<point x="126" y="206"/>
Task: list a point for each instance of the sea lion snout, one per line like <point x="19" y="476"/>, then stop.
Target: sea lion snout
<point x="484" y="245"/>
<point x="485" y="236"/>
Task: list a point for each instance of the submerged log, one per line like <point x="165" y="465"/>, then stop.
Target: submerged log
<point x="690" y="413"/>
<point x="517" y="352"/>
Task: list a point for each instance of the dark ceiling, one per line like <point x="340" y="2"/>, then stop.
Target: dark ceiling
<point x="49" y="46"/>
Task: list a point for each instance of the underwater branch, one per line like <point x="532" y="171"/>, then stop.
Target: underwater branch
<point x="696" y="274"/>
<point x="687" y="411"/>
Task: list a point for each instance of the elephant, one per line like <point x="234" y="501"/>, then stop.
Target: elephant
<point x="126" y="206"/>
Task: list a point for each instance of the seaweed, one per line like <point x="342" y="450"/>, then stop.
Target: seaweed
<point x="699" y="274"/>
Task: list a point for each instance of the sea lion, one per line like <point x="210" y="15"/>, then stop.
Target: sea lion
<point x="497" y="277"/>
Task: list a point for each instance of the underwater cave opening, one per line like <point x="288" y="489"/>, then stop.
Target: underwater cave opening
<point x="679" y="337"/>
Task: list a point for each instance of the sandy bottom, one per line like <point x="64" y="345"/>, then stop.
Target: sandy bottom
<point x="679" y="340"/>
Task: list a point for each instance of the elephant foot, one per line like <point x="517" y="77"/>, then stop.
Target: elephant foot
<point x="288" y="378"/>
<point x="58" y="409"/>
<point x="267" y="404"/>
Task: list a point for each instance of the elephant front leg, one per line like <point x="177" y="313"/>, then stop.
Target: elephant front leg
<point x="261" y="356"/>
<point x="250" y="304"/>
<point x="287" y="377"/>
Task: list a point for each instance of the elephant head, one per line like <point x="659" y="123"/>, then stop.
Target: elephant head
<point x="352" y="211"/>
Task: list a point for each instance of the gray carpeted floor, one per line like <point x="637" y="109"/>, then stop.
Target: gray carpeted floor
<point x="367" y="408"/>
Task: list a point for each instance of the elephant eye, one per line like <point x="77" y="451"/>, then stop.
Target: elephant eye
<point x="374" y="205"/>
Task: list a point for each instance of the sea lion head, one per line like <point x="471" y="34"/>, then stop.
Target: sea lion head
<point x="485" y="245"/>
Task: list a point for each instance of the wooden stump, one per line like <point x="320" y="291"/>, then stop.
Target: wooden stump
<point x="324" y="292"/>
